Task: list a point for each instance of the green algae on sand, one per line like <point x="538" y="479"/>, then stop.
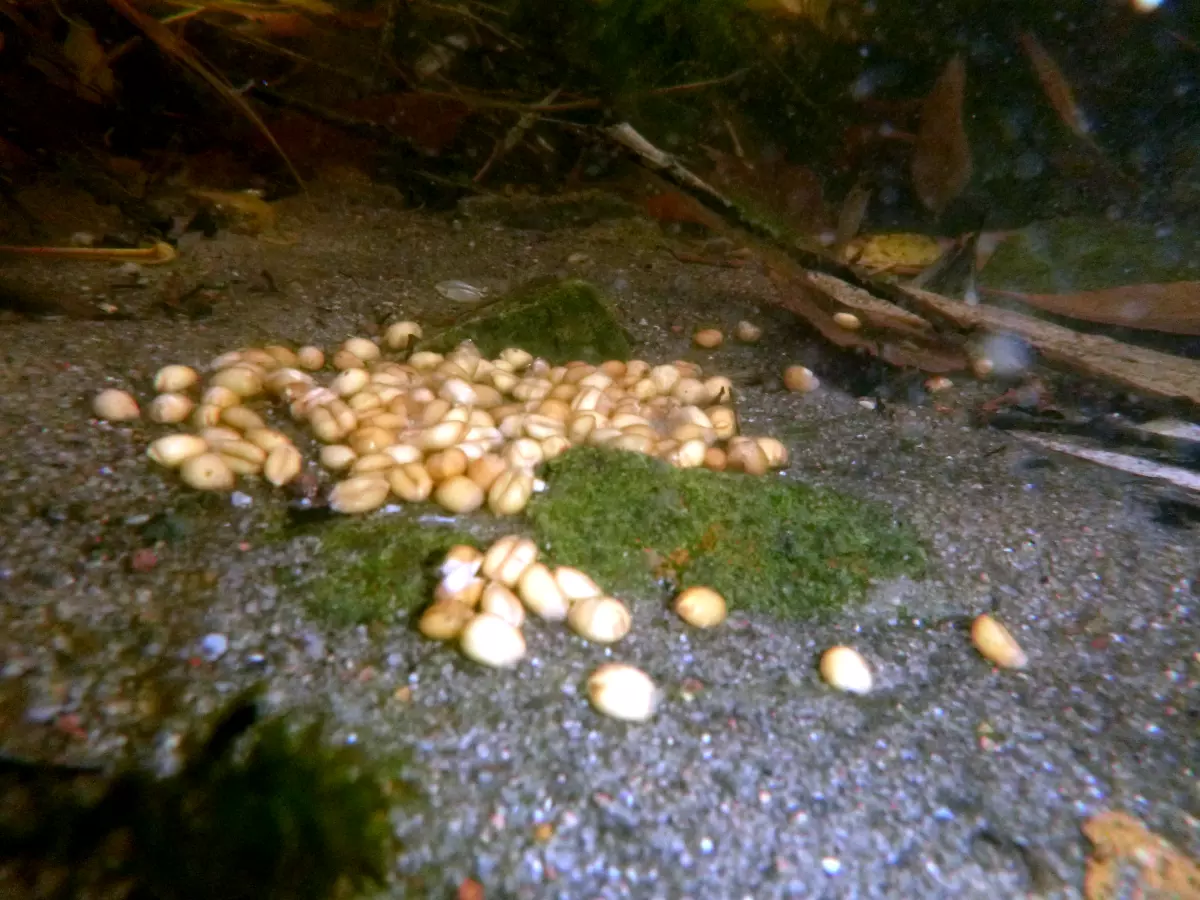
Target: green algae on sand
<point x="632" y="522"/>
<point x="375" y="569"/>
<point x="768" y="544"/>
<point x="560" y="321"/>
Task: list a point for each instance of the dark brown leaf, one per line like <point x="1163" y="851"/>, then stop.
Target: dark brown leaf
<point x="1054" y="83"/>
<point x="941" y="163"/>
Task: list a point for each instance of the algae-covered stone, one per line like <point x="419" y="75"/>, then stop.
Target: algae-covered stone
<point x="374" y="570"/>
<point x="1081" y="254"/>
<point x="770" y="545"/>
<point x="558" y="320"/>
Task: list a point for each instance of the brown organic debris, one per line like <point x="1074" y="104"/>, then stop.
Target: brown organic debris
<point x="1057" y="88"/>
<point x="1163" y="871"/>
<point x="941" y="163"/>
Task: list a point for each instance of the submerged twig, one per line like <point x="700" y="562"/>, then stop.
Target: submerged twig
<point x="1134" y="465"/>
<point x="161" y="252"/>
<point x="511" y="139"/>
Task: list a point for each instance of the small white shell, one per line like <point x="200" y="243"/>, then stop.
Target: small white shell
<point x="463" y="561"/>
<point x="845" y="669"/>
<point x="700" y="607"/>
<point x="623" y="692"/>
<point x="172" y="450"/>
<point x="604" y="620"/>
<point x="541" y="594"/>
<point x="359" y="494"/>
<point x="175" y="378"/>
<point x="115" y="406"/>
<point x="170" y="409"/>
<point x="207" y="472"/>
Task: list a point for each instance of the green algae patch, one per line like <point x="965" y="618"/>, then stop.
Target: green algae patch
<point x="374" y="569"/>
<point x="560" y="321"/>
<point x="767" y="544"/>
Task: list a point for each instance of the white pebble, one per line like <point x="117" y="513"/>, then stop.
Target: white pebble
<point x="214" y="646"/>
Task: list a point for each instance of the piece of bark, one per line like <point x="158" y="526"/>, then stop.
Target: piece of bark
<point x="1173" y="307"/>
<point x="1146" y="371"/>
<point x="895" y="335"/>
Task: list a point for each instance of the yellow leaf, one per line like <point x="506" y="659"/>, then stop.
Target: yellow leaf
<point x="893" y="251"/>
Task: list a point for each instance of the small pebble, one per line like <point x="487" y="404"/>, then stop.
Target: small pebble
<point x="995" y="643"/>
<point x="800" y="380"/>
<point x="846" y="320"/>
<point x="214" y="646"/>
<point x="747" y="332"/>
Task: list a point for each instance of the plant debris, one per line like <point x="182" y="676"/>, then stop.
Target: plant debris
<point x="1120" y="839"/>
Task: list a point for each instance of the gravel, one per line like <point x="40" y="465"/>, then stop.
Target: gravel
<point x="754" y="779"/>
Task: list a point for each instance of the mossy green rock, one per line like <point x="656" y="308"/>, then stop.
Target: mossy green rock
<point x="1079" y="254"/>
<point x="560" y="321"/>
<point x="767" y="544"/>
